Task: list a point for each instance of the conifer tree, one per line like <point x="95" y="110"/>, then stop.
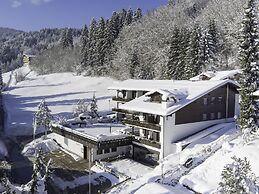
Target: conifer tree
<point x="122" y="18"/>
<point x="134" y="64"/>
<point x="248" y="57"/>
<point x="43" y="116"/>
<point x="67" y="39"/>
<point x="93" y="107"/>
<point x="63" y="41"/>
<point x="211" y="47"/>
<point x="129" y="17"/>
<point x="101" y="47"/>
<point x="137" y="14"/>
<point x="237" y="177"/>
<point x="184" y="42"/>
<point x="92" y="52"/>
<point x="69" y="36"/>
<point x="174" y="55"/>
<point x="40" y="175"/>
<point x="84" y="47"/>
<point x="195" y="61"/>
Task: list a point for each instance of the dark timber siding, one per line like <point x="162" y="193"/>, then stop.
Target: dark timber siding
<point x="194" y="111"/>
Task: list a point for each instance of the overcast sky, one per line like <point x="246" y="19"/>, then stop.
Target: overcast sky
<point x="32" y="15"/>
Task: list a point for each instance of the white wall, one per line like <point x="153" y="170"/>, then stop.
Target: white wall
<point x="172" y="133"/>
<point x="69" y="145"/>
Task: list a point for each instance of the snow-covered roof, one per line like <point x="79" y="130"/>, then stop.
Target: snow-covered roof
<point x="185" y="90"/>
<point x="98" y="131"/>
<point x="175" y="93"/>
<point x="219" y="75"/>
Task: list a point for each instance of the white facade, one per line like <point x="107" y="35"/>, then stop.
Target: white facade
<point x="172" y="133"/>
<point x="78" y="148"/>
<point x="70" y="145"/>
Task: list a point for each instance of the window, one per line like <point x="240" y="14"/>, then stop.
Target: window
<point x="107" y="150"/>
<point x="114" y="149"/>
<point x="220" y="100"/>
<point x="219" y="115"/>
<point x="204" y="117"/>
<point x="212" y="100"/>
<point x="205" y="101"/>
<point x="212" y="115"/>
<point x="134" y="94"/>
<point x="99" y="151"/>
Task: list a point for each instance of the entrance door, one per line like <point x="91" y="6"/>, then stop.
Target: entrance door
<point x="85" y="152"/>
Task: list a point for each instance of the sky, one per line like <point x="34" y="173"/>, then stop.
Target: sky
<point x="30" y="15"/>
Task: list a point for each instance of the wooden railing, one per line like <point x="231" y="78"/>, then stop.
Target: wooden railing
<point x="148" y="142"/>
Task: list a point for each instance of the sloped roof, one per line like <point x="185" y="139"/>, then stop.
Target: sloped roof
<point x="192" y="90"/>
<point x="219" y="75"/>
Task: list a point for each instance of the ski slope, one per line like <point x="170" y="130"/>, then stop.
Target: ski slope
<point x="61" y="92"/>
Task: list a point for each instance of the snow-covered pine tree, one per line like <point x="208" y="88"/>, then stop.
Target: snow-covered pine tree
<point x="67" y="39"/>
<point x="39" y="176"/>
<point x="134" y="64"/>
<point x="248" y="57"/>
<point x="84" y="46"/>
<point x="101" y="48"/>
<point x="4" y="181"/>
<point x="185" y="38"/>
<point x="93" y="107"/>
<point x="195" y="61"/>
<point x="69" y="36"/>
<point x="137" y="14"/>
<point x="111" y="33"/>
<point x="237" y="177"/>
<point x="122" y="18"/>
<point x="43" y="116"/>
<point x="211" y="47"/>
<point x="81" y="107"/>
<point x="92" y="52"/>
<point x="172" y="69"/>
<point x="63" y="41"/>
<point x="129" y="17"/>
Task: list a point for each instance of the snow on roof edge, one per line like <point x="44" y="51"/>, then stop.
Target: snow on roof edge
<point x="169" y="112"/>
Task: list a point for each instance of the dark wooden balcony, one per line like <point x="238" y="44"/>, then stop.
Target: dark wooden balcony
<point x="119" y="99"/>
<point x="148" y="142"/>
<point x="142" y="124"/>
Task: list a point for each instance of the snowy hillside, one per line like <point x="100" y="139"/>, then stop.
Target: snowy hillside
<point x="60" y="90"/>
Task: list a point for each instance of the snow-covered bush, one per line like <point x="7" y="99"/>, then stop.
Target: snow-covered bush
<point x="19" y="76"/>
<point x="237" y="177"/>
<point x="62" y="121"/>
<point x="81" y="107"/>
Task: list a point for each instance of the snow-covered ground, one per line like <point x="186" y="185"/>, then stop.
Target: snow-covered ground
<point x="206" y="177"/>
<point x="130" y="168"/>
<point x="60" y="90"/>
<point x="171" y="166"/>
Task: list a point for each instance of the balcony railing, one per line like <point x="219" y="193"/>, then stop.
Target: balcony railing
<point x="121" y="111"/>
<point x="148" y="142"/>
<point x="142" y="124"/>
<point x="119" y="99"/>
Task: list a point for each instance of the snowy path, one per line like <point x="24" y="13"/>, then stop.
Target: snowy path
<point x="172" y="165"/>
